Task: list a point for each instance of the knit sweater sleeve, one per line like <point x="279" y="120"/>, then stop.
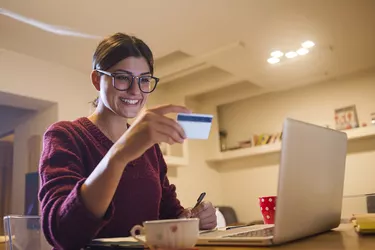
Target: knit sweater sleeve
<point x="170" y="206"/>
<point x="66" y="222"/>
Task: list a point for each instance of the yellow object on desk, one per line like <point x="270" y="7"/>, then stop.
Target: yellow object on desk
<point x="364" y="223"/>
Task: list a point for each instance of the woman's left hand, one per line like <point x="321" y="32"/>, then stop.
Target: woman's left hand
<point x="206" y="213"/>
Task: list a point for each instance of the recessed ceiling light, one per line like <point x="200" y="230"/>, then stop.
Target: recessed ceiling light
<point x="277" y="53"/>
<point x="273" y="60"/>
<point x="302" y="51"/>
<point x="291" y="54"/>
<point x="308" y="44"/>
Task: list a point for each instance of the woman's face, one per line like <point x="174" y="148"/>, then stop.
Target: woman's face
<point x="127" y="103"/>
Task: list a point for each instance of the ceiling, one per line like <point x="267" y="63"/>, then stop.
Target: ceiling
<point x="224" y="42"/>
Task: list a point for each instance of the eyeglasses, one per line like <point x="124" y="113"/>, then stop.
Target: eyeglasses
<point x="124" y="81"/>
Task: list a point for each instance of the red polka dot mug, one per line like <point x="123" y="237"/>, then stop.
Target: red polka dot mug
<point x="268" y="208"/>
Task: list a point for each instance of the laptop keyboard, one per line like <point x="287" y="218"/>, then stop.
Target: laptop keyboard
<point x="265" y="232"/>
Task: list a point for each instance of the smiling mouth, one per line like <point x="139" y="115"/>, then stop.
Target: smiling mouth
<point x="129" y="101"/>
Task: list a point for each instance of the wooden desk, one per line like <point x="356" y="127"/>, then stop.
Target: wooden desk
<point x="342" y="238"/>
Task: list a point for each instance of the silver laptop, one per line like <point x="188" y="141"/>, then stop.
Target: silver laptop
<point x="310" y="189"/>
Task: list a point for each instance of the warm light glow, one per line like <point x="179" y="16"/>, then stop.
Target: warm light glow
<point x="302" y="51"/>
<point x="277" y="53"/>
<point x="308" y="44"/>
<point x="273" y="60"/>
<point x="291" y="54"/>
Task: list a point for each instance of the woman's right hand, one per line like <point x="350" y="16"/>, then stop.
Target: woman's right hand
<point x="149" y="128"/>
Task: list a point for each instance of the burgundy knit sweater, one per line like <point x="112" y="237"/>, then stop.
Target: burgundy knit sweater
<point x="71" y="151"/>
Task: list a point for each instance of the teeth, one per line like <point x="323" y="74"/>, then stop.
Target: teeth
<point x="129" y="101"/>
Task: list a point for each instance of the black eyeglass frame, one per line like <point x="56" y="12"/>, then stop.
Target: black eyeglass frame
<point x="113" y="75"/>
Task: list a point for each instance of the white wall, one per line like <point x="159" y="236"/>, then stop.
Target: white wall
<point x="197" y="177"/>
<point x="36" y="125"/>
<point x="31" y="77"/>
<point x="69" y="90"/>
<point x="265" y="114"/>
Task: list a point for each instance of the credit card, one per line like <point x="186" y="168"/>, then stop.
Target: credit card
<point x="196" y="126"/>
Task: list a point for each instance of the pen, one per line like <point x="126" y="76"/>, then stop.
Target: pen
<point x="200" y="198"/>
<point x="233" y="227"/>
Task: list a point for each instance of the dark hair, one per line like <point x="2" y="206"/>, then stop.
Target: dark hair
<point x="117" y="47"/>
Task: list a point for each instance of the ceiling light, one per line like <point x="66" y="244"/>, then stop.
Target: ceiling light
<point x="308" y="44"/>
<point x="291" y="54"/>
<point x="302" y="51"/>
<point x="273" y="60"/>
<point x="277" y="53"/>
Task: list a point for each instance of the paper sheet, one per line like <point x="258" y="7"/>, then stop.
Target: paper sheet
<point x="119" y="239"/>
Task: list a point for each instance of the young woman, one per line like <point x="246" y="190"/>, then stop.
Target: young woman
<point x="99" y="175"/>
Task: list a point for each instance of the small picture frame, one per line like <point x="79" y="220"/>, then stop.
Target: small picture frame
<point x="346" y="118"/>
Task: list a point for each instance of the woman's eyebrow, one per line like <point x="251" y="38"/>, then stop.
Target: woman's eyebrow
<point x="131" y="73"/>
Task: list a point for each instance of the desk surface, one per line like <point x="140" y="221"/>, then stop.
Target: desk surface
<point x="342" y="238"/>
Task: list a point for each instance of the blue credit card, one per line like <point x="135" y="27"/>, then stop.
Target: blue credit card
<point x="196" y="126"/>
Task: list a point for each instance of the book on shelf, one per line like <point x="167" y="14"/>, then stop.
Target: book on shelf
<point x="257" y="140"/>
<point x="265" y="139"/>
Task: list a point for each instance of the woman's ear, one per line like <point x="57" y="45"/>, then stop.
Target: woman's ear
<point x="95" y="79"/>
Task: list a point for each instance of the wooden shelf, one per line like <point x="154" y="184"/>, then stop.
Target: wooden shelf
<point x="360" y="133"/>
<point x="247" y="152"/>
<point x="353" y="134"/>
<point x="175" y="161"/>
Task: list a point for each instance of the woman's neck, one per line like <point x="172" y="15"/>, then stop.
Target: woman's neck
<point x="111" y="125"/>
